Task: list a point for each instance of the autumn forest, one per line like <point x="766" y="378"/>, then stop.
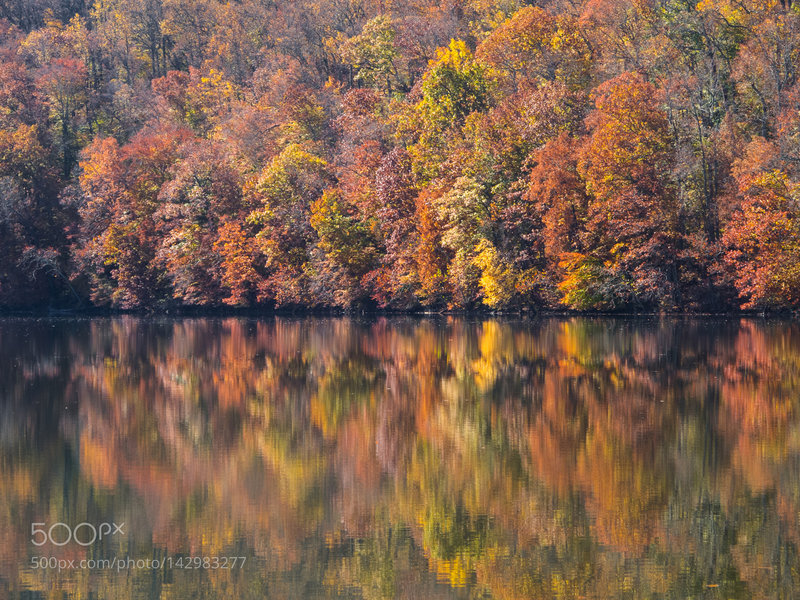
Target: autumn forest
<point x="636" y="155"/>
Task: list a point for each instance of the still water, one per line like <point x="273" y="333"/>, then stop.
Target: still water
<point x="399" y="458"/>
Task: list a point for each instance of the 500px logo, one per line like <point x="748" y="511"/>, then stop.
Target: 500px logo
<point x="83" y="534"/>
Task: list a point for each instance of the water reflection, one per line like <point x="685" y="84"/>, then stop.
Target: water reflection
<point x="400" y="458"/>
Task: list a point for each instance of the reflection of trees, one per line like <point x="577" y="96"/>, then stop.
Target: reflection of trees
<point x="518" y="459"/>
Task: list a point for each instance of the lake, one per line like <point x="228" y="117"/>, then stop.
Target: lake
<point x="399" y="458"/>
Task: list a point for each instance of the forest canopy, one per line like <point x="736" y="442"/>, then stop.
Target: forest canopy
<point x="583" y="154"/>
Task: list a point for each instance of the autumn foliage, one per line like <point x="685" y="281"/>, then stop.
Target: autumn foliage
<point x="603" y="154"/>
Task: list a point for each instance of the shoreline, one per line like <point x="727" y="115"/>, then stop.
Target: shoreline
<point x="263" y="312"/>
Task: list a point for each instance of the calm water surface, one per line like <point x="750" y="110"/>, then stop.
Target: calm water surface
<point x="401" y="458"/>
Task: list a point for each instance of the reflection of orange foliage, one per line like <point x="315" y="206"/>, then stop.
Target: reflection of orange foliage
<point x="555" y="437"/>
<point x="760" y="408"/>
<point x="97" y="462"/>
<point x="598" y="425"/>
<point x="359" y="471"/>
<point x="598" y="431"/>
<point x="559" y="435"/>
<point x="627" y="495"/>
<point x="755" y="409"/>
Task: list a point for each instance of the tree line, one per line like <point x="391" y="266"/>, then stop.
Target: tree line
<point x="583" y="154"/>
